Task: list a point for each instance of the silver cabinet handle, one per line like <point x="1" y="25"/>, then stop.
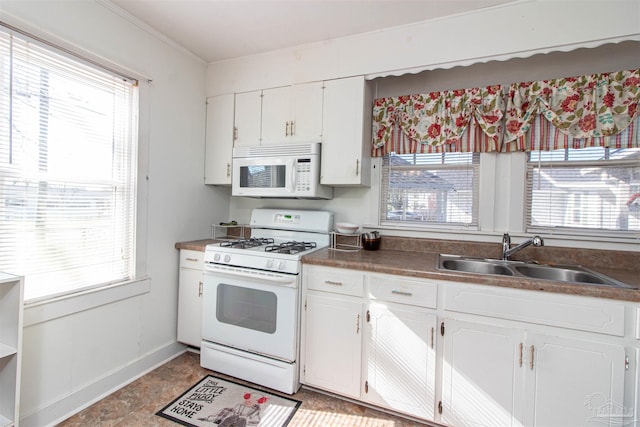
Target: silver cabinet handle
<point x="404" y="293"/>
<point x="357" y="167"/>
<point x="228" y="170"/>
<point x="293" y="127"/>
<point x="330" y="282"/>
<point x="192" y="259"/>
<point x="433" y="332"/>
<point x="286" y="129"/>
<point x="358" y="323"/>
<point x="200" y="289"/>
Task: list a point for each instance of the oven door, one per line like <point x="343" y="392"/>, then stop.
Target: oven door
<point x="251" y="310"/>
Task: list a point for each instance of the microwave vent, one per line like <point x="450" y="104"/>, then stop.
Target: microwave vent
<point x="277" y="150"/>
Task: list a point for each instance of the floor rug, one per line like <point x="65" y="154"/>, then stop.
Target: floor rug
<point x="215" y="402"/>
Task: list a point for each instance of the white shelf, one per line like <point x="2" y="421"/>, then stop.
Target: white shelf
<point x="5" y="422"/>
<point x="11" y="321"/>
<point x="7" y="350"/>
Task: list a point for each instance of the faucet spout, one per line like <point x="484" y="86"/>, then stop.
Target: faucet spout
<point x="508" y="251"/>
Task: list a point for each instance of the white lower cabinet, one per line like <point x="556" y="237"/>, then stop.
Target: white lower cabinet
<point x="470" y="355"/>
<point x="573" y="382"/>
<point x="524" y="358"/>
<point x="496" y="376"/>
<point x="400" y="362"/>
<point x="190" y="297"/>
<point x="333" y="347"/>
<point x="372" y="340"/>
<point x="482" y="381"/>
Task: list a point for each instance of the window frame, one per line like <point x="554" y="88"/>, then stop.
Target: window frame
<point x="584" y="232"/>
<point x="138" y="184"/>
<point x="475" y="166"/>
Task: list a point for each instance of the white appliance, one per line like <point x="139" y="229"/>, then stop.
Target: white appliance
<point x="280" y="171"/>
<point x="251" y="297"/>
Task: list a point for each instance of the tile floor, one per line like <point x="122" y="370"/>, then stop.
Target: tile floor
<point x="137" y="403"/>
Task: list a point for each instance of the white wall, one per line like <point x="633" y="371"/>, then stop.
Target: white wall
<point x="70" y="358"/>
<point x="519" y="29"/>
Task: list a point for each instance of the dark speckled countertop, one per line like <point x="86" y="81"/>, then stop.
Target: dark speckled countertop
<point x="418" y="258"/>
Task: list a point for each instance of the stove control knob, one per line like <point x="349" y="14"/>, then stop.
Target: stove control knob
<point x="216" y="257"/>
<point x="281" y="265"/>
<point x="227" y="258"/>
<point x="269" y="263"/>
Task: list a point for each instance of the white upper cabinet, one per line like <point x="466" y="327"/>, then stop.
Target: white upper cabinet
<point x="292" y="114"/>
<point x="219" y="140"/>
<point x="346" y="133"/>
<point x="248" y="113"/>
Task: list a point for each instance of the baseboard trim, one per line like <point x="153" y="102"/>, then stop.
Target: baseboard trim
<point x="85" y="397"/>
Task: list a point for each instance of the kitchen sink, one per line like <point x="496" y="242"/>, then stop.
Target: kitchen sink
<point x="558" y="273"/>
<point x="476" y="266"/>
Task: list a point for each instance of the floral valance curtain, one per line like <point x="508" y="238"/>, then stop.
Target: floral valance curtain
<point x="584" y="107"/>
<point x="589" y="109"/>
<point x="437" y="118"/>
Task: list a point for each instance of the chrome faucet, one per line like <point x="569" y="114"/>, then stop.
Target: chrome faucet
<point x="507" y="251"/>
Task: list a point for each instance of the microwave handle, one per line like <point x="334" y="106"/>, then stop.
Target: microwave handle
<point x="293" y="176"/>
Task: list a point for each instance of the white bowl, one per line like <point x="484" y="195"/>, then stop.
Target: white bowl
<point x="346" y="227"/>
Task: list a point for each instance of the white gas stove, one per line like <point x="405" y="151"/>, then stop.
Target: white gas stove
<point x="251" y="297"/>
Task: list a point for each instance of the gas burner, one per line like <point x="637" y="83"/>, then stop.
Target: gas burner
<point x="246" y="243"/>
<point x="290" y="247"/>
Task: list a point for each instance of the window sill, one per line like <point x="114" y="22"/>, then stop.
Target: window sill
<point x="43" y="311"/>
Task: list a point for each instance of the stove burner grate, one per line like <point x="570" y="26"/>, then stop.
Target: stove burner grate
<point x="292" y="247"/>
<point x="247" y="243"/>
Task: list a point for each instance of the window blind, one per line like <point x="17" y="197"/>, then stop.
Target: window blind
<point x="430" y="189"/>
<point x="595" y="189"/>
<point x="67" y="170"/>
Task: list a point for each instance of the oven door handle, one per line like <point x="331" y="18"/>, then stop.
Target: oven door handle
<point x="287" y="281"/>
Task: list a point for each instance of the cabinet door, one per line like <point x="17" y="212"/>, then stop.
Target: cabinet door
<point x="333" y="346"/>
<point x="346" y="132"/>
<point x="219" y="140"/>
<point x="190" y="306"/>
<point x="292" y="114"/>
<point x="307" y="112"/>
<point x="482" y="379"/>
<point x="248" y="118"/>
<point x="573" y="382"/>
<point x="400" y="363"/>
<point x="277" y="115"/>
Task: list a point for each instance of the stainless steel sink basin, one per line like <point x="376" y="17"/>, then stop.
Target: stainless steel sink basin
<point x="568" y="274"/>
<point x="559" y="273"/>
<point x="476" y="266"/>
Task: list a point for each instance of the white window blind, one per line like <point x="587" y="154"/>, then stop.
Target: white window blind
<point x="67" y="170"/>
<point x="595" y="189"/>
<point x="430" y="189"/>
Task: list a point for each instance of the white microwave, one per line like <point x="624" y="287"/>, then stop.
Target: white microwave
<point x="279" y="171"/>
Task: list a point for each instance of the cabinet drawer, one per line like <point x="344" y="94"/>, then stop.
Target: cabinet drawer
<point x="421" y="293"/>
<point x="565" y="311"/>
<point x="191" y="259"/>
<point x="335" y="280"/>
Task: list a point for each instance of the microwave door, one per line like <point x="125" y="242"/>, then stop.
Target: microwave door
<point x="263" y="177"/>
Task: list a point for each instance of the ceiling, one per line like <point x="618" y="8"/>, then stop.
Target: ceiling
<point x="216" y="30"/>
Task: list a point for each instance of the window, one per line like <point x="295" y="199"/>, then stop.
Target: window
<point x="590" y="189"/>
<point x="67" y="170"/>
<point x="430" y="189"/>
